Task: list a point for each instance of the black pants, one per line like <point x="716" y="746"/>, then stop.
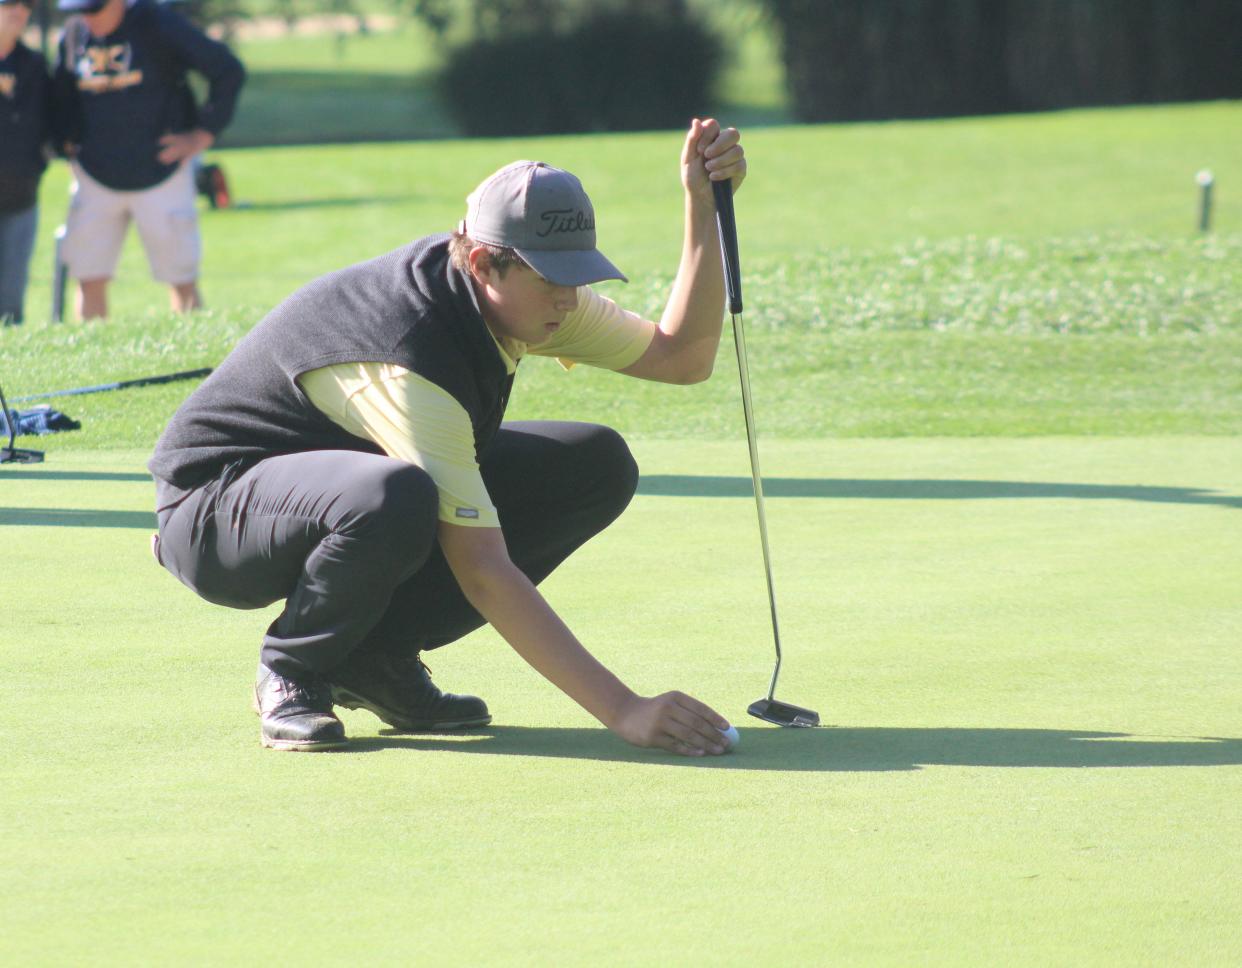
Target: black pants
<point x="348" y="539"/>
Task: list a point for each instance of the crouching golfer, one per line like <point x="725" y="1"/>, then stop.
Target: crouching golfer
<point x="349" y="457"/>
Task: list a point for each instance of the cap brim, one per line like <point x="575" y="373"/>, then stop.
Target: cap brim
<point x="572" y="267"/>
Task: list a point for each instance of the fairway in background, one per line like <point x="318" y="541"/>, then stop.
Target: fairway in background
<point x="325" y="86"/>
<point x="1027" y="275"/>
<point x="330" y="87"/>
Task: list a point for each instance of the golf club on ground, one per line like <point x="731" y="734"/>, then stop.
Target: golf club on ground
<point x="768" y="708"/>
<point x="145" y="381"/>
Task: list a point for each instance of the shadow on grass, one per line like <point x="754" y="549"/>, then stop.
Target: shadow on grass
<point x="668" y="485"/>
<point x="842" y="749"/>
<point x="78" y="476"/>
<point x="290" y="205"/>
<point x="317" y="107"/>
<point x="675" y="485"/>
<point x="76" y="518"/>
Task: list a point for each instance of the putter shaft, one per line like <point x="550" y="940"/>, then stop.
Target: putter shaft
<point x="752" y="441"/>
<point x="781" y="714"/>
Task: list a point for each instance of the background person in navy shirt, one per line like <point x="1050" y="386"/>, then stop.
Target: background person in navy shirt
<point x="23" y="136"/>
<point x="130" y="125"/>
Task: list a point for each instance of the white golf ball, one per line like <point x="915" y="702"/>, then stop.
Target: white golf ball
<point x="730" y="737"/>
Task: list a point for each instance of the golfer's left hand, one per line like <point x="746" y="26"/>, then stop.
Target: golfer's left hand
<point x="711" y="153"/>
<point x="178" y="147"/>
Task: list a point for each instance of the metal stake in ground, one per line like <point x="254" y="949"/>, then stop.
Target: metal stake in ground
<point x="60" y="276"/>
<point x="768" y="708"/>
<point x="1206" y="181"/>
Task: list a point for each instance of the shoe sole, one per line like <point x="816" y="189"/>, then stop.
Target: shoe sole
<point x="297" y="746"/>
<point x="350" y="700"/>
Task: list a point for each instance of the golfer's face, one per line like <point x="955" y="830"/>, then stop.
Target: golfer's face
<point x="525" y="306"/>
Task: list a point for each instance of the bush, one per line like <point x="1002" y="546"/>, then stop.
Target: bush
<point x="613" y="71"/>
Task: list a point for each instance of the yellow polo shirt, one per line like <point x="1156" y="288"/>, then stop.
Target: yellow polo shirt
<point x="414" y="420"/>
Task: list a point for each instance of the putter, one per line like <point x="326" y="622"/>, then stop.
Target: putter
<point x="768" y="709"/>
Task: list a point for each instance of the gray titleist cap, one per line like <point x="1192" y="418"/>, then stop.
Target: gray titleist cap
<point x="543" y="214"/>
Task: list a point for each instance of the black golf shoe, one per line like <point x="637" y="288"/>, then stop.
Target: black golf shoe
<point x="296" y="714"/>
<point x="399" y="690"/>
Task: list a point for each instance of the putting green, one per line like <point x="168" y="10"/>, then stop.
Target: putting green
<point x="1028" y="651"/>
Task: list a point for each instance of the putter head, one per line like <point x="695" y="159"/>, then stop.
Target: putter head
<point x="782" y="714"/>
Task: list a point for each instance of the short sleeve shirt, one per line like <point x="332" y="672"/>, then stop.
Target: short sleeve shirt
<point x="415" y="420"/>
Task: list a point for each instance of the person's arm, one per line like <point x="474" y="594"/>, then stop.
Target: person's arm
<point x="225" y="76"/>
<point x="66" y="108"/>
<point x="47" y="138"/>
<point x="683" y="349"/>
<point x="415" y="421"/>
<point x="507" y="599"/>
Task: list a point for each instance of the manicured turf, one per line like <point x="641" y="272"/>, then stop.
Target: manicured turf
<point x="998" y="378"/>
<point x="1027" y="651"/>
<point x="940" y="278"/>
<point x="327" y="88"/>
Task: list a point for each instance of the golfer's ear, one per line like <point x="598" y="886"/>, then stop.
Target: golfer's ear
<point x="480" y="264"/>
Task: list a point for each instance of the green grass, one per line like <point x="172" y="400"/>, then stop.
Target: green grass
<point x="998" y="380"/>
<point x="888" y="293"/>
<point x="328" y="88"/>
<point x="381" y="86"/>
<point x="1027" y="652"/>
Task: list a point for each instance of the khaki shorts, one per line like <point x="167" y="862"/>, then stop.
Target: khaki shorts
<point x="167" y="223"/>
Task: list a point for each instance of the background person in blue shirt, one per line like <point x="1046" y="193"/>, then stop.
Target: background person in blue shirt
<point x="130" y="125"/>
<point x="23" y="135"/>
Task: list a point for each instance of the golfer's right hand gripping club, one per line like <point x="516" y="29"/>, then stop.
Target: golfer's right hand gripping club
<point x="768" y="708"/>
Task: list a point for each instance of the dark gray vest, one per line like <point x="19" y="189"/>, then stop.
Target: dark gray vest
<point x="409" y="307"/>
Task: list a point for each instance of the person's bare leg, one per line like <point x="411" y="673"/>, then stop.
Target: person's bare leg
<point x="92" y="299"/>
<point x="184" y="297"/>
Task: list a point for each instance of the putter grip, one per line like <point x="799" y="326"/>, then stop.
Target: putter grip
<point x="727" y="225"/>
